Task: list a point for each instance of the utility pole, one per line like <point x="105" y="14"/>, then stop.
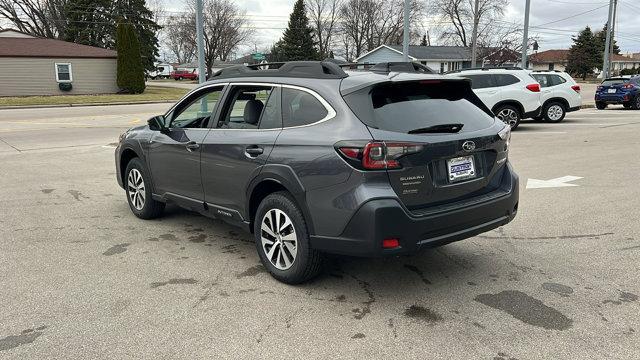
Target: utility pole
<point x="613" y="34"/>
<point x="405" y="37"/>
<point x="607" y="45"/>
<point x="525" y="35"/>
<point x="474" y="34"/>
<point x="202" y="76"/>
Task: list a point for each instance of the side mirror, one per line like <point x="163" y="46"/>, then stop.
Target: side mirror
<point x="156" y="123"/>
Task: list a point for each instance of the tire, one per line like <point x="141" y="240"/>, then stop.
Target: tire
<point x="627" y="105"/>
<point x="635" y="103"/>
<point x="304" y="263"/>
<point x="509" y="114"/>
<point x="601" y="105"/>
<point x="554" y="112"/>
<point x="141" y="202"/>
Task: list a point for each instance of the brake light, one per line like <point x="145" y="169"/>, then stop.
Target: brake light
<point x="377" y="155"/>
<point x="576" y="88"/>
<point x="390" y="243"/>
<point x="627" y="86"/>
<point x="533" y="87"/>
<point x="599" y="88"/>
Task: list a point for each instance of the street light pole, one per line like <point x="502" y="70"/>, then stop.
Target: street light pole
<point x="202" y="76"/>
<point x="613" y="35"/>
<point x="474" y="35"/>
<point x="525" y="35"/>
<point x="405" y="37"/>
<point x="605" y="65"/>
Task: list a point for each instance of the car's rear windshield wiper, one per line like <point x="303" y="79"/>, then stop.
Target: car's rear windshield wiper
<point x="442" y="128"/>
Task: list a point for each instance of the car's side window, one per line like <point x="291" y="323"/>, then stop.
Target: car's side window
<point x="557" y="80"/>
<point x="195" y="112"/>
<point x="542" y="79"/>
<point x="481" y="81"/>
<point x="505" y="79"/>
<point x="252" y="107"/>
<point x="301" y="108"/>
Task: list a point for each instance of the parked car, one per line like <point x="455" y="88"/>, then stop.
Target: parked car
<point x="619" y="90"/>
<point x="180" y="74"/>
<point x="510" y="92"/>
<point x="315" y="160"/>
<point x="560" y="94"/>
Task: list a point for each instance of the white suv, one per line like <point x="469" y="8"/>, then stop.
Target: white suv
<point x="560" y="94"/>
<point x="510" y="92"/>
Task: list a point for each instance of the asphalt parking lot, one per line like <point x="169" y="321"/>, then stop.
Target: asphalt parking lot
<point x="82" y="278"/>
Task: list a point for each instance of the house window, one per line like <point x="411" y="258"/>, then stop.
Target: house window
<point x="63" y="72"/>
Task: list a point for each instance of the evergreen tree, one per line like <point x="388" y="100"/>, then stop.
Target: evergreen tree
<point x="602" y="40"/>
<point x="585" y="54"/>
<point x="130" y="73"/>
<point x="297" y="42"/>
<point x="94" y="22"/>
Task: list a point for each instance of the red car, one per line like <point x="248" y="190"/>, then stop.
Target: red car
<point x="184" y="74"/>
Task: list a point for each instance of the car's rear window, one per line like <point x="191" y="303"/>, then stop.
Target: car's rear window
<point x="611" y="82"/>
<point x="406" y="106"/>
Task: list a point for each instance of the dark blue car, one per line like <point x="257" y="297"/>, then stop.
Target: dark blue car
<point x="625" y="91"/>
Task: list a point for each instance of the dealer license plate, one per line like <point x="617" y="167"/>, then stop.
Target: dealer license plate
<point x="461" y="168"/>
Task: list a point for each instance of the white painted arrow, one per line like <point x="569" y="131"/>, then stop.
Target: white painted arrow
<point x="552" y="183"/>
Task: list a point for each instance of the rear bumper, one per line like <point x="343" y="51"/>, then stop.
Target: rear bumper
<point x="381" y="219"/>
<point x="532" y="114"/>
<point x="613" y="99"/>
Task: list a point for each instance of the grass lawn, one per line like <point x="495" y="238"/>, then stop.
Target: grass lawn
<point x="152" y="93"/>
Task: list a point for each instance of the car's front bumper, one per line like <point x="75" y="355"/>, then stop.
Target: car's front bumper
<point x="381" y="219"/>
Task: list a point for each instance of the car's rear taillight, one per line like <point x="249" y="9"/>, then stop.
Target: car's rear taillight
<point x="533" y="87"/>
<point x="627" y="86"/>
<point x="599" y="88"/>
<point x="378" y="155"/>
<point x="576" y="88"/>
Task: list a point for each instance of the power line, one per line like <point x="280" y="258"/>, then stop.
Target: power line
<point x="573" y="16"/>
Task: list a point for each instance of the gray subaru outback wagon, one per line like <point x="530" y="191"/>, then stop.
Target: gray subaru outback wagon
<point x="312" y="159"/>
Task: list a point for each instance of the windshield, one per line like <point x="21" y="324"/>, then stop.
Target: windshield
<point x="407" y="106"/>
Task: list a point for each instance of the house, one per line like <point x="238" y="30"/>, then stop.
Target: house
<point x="438" y="58"/>
<point x="31" y="65"/>
<point x="549" y="60"/>
<point x="557" y="60"/>
<point x="442" y="58"/>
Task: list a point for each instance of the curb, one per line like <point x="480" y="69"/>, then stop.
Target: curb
<point x="13" y="107"/>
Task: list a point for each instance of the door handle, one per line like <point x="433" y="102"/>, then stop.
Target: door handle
<point x="253" y="151"/>
<point x="192" y="145"/>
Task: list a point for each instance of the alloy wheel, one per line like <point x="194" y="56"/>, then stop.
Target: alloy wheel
<point x="135" y="188"/>
<point x="508" y="116"/>
<point x="554" y="112"/>
<point x="279" y="239"/>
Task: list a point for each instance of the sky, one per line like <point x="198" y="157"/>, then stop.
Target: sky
<point x="559" y="20"/>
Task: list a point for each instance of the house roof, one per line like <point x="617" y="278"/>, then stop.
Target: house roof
<point x="50" y="48"/>
<point x="550" y="56"/>
<point x="248" y="59"/>
<point x="437" y="52"/>
<point x="622" y="58"/>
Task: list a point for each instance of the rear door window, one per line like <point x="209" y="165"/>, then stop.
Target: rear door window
<point x="542" y="79"/>
<point x="406" y="106"/>
<point x="481" y="81"/>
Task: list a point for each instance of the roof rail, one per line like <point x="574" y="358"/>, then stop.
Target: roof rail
<point x="486" y="68"/>
<point x="299" y="69"/>
<point x="401" y="66"/>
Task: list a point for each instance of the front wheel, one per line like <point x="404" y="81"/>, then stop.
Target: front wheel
<point x="282" y="240"/>
<point x="137" y="186"/>
<point x="601" y="105"/>
<point x="509" y="115"/>
<point x="554" y="112"/>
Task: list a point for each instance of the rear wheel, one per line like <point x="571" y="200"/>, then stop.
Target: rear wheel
<point x="283" y="242"/>
<point x="635" y="103"/>
<point x="137" y="186"/>
<point x="509" y="114"/>
<point x="601" y="105"/>
<point x="554" y="112"/>
<point x="627" y="105"/>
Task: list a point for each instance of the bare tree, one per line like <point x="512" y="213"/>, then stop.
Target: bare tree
<point x="456" y="17"/>
<point x="323" y="17"/>
<point x="44" y="18"/>
<point x="225" y="28"/>
<point x="179" y="37"/>
<point x="367" y="24"/>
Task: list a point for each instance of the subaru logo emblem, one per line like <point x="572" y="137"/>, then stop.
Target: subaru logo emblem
<point x="468" y="146"/>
